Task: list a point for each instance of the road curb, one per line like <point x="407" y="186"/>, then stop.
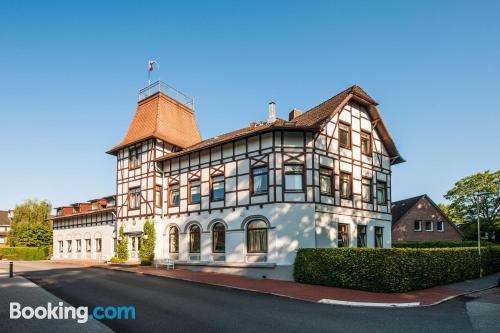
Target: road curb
<point x="322" y="301"/>
<point x="369" y="304"/>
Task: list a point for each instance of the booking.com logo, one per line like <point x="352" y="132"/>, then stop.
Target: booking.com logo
<point x="80" y="314"/>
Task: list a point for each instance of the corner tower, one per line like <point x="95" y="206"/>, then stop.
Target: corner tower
<point x="163" y="117"/>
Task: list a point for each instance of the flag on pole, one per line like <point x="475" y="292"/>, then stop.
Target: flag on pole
<point x="151" y="64"/>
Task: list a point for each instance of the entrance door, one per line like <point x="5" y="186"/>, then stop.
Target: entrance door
<point x="135" y="246"/>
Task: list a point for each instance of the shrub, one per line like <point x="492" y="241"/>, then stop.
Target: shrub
<point x="147" y="251"/>
<point x="439" y="243"/>
<point x="392" y="270"/>
<point x="122" y="247"/>
<point x="116" y="260"/>
<point x="25" y="253"/>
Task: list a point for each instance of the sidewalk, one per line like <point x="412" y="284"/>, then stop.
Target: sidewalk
<point x="322" y="294"/>
<point x="18" y="289"/>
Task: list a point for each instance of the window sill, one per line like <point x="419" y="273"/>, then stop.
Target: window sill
<point x="256" y="194"/>
<point x="293" y="191"/>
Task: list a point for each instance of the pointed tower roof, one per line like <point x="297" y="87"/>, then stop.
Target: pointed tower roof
<point x="163" y="117"/>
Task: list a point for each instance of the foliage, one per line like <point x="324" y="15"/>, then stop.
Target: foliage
<point x="25" y="253"/>
<point x="30" y="225"/>
<point x="451" y="213"/>
<point x="438" y="244"/>
<point x="148" y="238"/>
<point x="392" y="270"/>
<point x="122" y="247"/>
<point x="467" y="204"/>
<point x="116" y="260"/>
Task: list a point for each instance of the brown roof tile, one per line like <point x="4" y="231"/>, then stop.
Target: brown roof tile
<point x="160" y="116"/>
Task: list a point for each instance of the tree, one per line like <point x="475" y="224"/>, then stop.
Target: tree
<point x="451" y="213"/>
<point x="122" y="248"/>
<point x="466" y="203"/>
<point x="148" y="238"/>
<point x="30" y="225"/>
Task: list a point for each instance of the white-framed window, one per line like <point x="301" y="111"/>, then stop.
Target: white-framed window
<point x="134" y="198"/>
<point x="366" y="143"/>
<point x="78" y="245"/>
<point x="343" y="235"/>
<point x="345" y="185"/>
<point x="98" y="245"/>
<point x="88" y="248"/>
<point x="257" y="236"/>
<point x="440" y="226"/>
<point x="194" y="191"/>
<point x="379" y="237"/>
<point x="218" y="188"/>
<point x="259" y="180"/>
<point x="417" y="226"/>
<point x="174" y="197"/>
<point x="428" y="226"/>
<point x="345" y="135"/>
<point x="326" y="180"/>
<point x="70" y="249"/>
<point x="61" y="246"/>
<point x="381" y="193"/>
<point x="362" y="235"/>
<point x="134" y="158"/>
<point x="366" y="190"/>
<point x="294" y="178"/>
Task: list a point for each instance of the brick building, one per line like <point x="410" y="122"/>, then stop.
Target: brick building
<point x="420" y="219"/>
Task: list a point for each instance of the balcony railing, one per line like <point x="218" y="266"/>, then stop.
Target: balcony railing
<point x="164" y="88"/>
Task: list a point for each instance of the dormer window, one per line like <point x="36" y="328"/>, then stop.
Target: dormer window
<point x="345" y="135"/>
<point x="96" y="205"/>
<point x="134" y="158"/>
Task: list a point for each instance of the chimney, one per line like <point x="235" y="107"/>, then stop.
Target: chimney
<point x="294" y="114"/>
<point x="272" y="112"/>
<point x="253" y="124"/>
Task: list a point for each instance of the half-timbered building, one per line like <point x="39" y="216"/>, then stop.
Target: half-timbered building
<point x="85" y="231"/>
<point x="246" y="201"/>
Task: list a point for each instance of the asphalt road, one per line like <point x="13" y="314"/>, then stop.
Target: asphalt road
<point x="166" y="305"/>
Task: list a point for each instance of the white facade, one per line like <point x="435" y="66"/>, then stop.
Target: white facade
<point x="88" y="236"/>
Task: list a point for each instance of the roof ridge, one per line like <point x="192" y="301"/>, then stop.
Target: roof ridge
<point x="325" y="101"/>
<point x="411" y="198"/>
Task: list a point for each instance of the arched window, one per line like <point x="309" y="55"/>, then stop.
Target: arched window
<point x="257" y="236"/>
<point x="194" y="239"/>
<point x="173" y="240"/>
<point x="218" y="238"/>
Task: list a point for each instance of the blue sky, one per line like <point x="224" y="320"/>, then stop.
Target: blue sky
<point x="70" y="73"/>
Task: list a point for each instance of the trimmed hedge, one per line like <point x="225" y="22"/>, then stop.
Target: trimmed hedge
<point x="25" y="253"/>
<point x="392" y="270"/>
<point x="439" y="243"/>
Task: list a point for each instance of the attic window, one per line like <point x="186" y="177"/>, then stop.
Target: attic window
<point x="345" y="135"/>
<point x="440" y="226"/>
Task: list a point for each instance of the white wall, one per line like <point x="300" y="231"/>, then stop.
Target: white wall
<point x="105" y="232"/>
